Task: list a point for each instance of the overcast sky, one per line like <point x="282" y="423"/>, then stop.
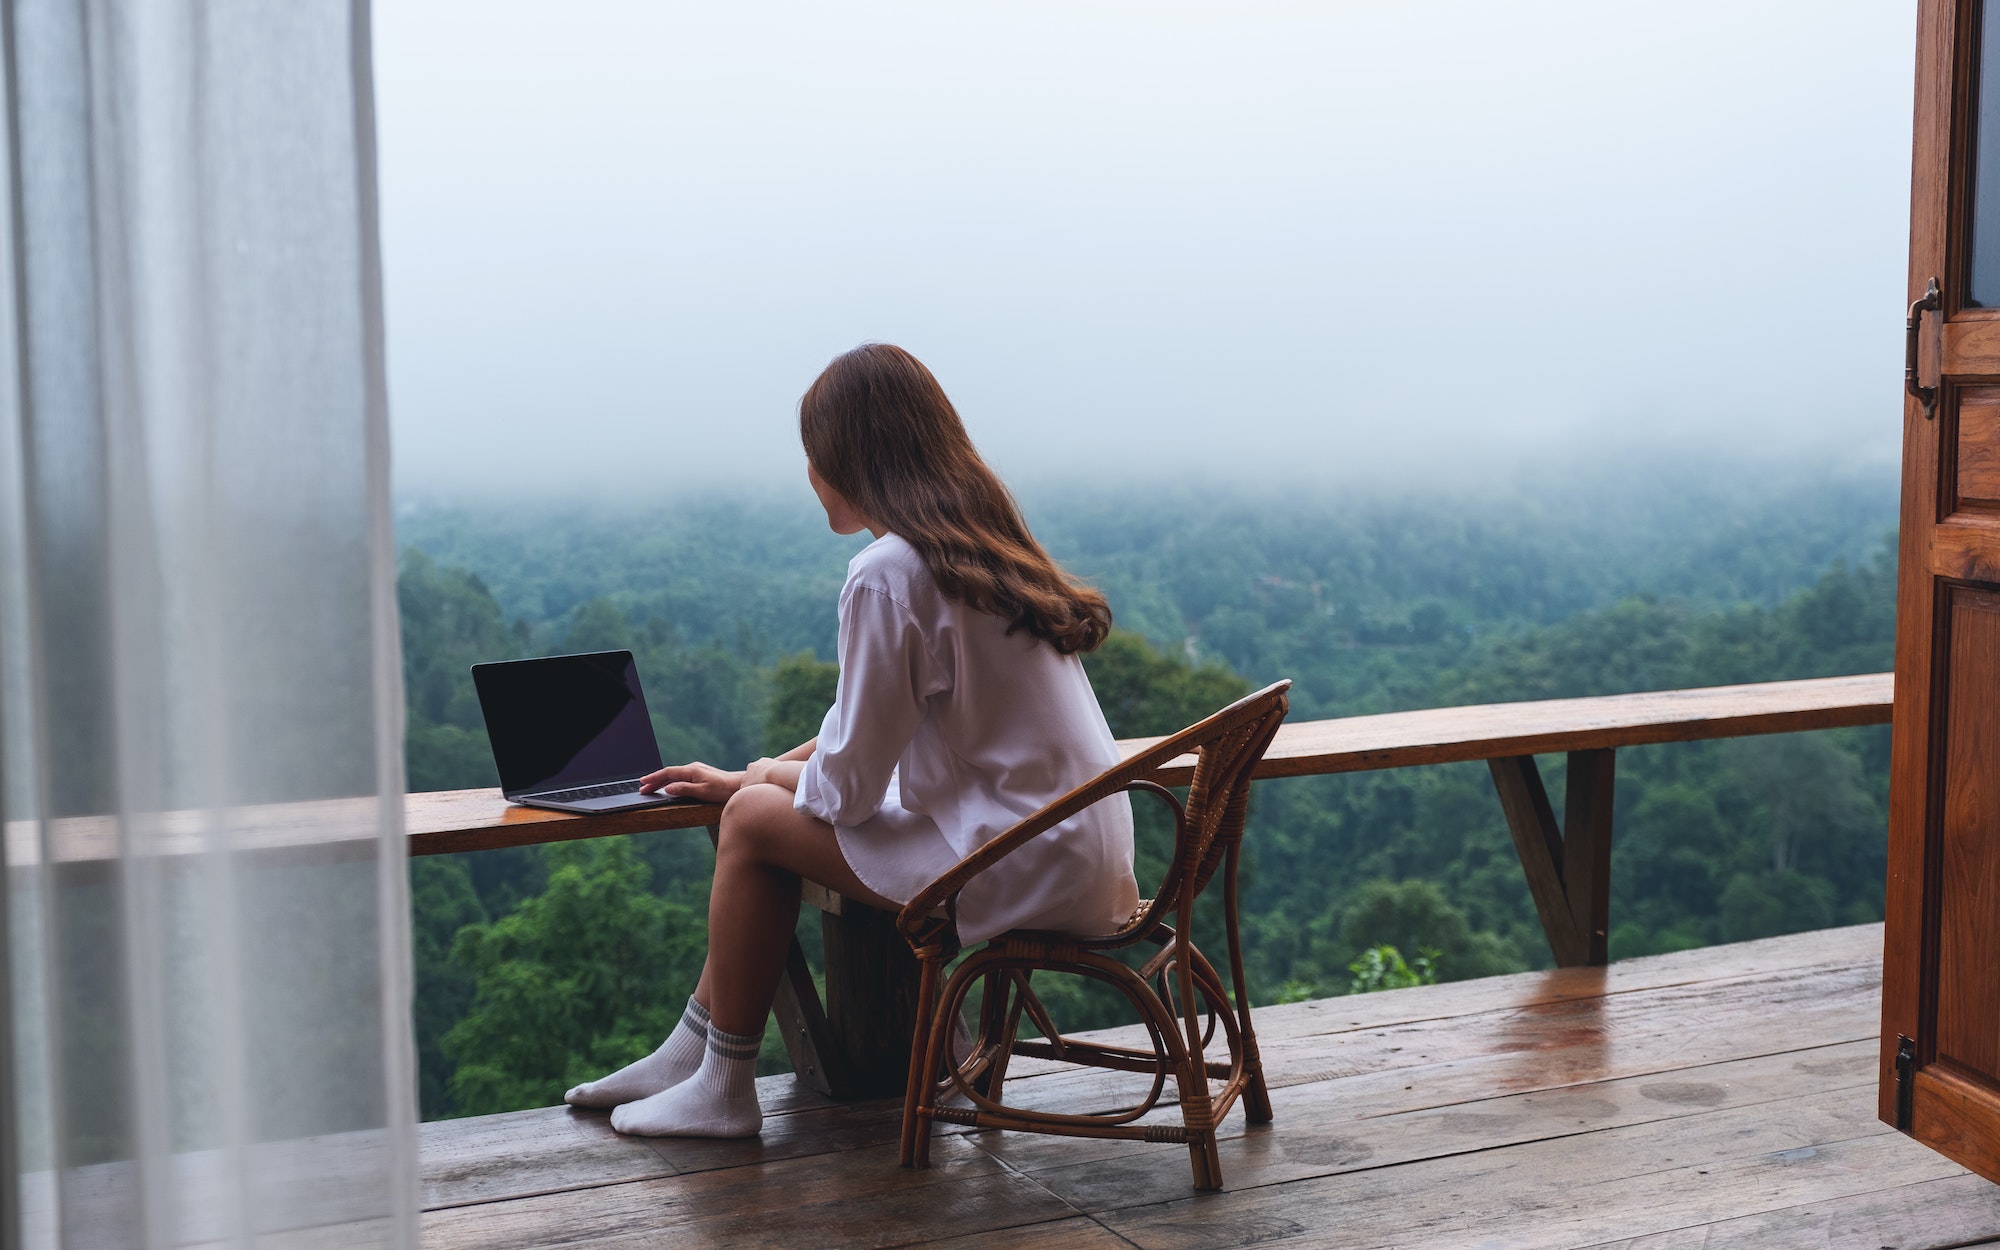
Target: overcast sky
<point x="1330" y="240"/>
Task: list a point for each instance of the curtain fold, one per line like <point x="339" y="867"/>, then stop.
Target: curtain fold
<point x="206" y="933"/>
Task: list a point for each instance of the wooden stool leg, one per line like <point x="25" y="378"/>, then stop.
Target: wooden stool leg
<point x="871" y="998"/>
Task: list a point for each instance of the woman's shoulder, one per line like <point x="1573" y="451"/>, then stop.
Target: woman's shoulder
<point x="891" y="566"/>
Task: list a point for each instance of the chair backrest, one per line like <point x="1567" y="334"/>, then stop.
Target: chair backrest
<point x="1227" y="747"/>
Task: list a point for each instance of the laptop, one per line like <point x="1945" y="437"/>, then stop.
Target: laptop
<point x="570" y="732"/>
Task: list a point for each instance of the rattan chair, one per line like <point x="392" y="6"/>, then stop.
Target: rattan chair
<point x="1172" y="990"/>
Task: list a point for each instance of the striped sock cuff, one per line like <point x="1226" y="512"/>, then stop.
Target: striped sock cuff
<point x="734" y="1045"/>
<point x="696" y="1016"/>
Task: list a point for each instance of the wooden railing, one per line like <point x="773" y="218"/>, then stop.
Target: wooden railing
<point x="1568" y="866"/>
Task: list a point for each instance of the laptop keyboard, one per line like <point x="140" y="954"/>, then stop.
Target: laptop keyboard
<point x="590" y="792"/>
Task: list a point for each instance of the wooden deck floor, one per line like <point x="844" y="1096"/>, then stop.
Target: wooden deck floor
<point x="1713" y="1098"/>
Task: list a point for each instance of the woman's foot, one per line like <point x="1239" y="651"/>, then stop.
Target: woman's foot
<point x="677" y="1059"/>
<point x="720" y="1100"/>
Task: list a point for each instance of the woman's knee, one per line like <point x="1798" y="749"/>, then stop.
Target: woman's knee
<point x="748" y="819"/>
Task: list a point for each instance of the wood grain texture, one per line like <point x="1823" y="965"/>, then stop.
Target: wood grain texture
<point x="445" y="821"/>
<point x="849" y="1198"/>
<point x="1971" y="346"/>
<point x="871" y="999"/>
<point x="468" y="820"/>
<point x="1488" y="731"/>
<point x="1437" y="1063"/>
<point x="1976" y="449"/>
<point x="1968" y="917"/>
<point x="1324" y="1136"/>
<point x="1076" y="1233"/>
<point x="1587" y="800"/>
<point x="1723" y="1094"/>
<point x="546" y="1150"/>
<point x="1953" y="1114"/>
<point x="1931" y="1215"/>
<point x="1566" y="1191"/>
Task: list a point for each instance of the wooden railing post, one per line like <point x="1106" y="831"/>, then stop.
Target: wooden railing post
<point x="1568" y="870"/>
<point x="1587" y="793"/>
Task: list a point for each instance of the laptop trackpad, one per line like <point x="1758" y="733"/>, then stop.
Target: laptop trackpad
<point x="612" y="802"/>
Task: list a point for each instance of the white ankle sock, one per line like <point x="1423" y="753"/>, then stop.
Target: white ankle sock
<point x="718" y="1101"/>
<point x="677" y="1059"/>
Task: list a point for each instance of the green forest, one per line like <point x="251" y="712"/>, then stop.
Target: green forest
<point x="540" y="967"/>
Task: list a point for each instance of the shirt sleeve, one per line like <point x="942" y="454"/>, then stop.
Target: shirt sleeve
<point x="887" y="674"/>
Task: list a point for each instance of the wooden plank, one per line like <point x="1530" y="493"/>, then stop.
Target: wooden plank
<point x="466" y="1160"/>
<point x="1552" y="1044"/>
<point x="1317" y="1133"/>
<point x="1610" y="1079"/>
<point x="1928" y="1215"/>
<point x="1078" y="1233"/>
<point x="1567" y="1191"/>
<point x="490" y="1157"/>
<point x="465" y="820"/>
<point x="1451" y="735"/>
<point x="848" y="1198"/>
<point x="1699" y="1191"/>
<point x="1795" y="952"/>
<point x="447" y="821"/>
<point x="1394" y="1071"/>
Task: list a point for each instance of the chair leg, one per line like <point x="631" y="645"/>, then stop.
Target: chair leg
<point x="1199" y="1116"/>
<point x="1009" y="1029"/>
<point x="1197" y="1109"/>
<point x="920" y="1095"/>
<point x="1206" y="1161"/>
<point x="1256" y="1096"/>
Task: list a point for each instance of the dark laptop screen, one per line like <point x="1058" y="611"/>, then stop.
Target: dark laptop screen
<point x="570" y="720"/>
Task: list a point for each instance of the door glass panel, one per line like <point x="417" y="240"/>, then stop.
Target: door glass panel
<point x="1983" y="233"/>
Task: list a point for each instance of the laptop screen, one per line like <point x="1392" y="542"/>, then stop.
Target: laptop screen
<point x="569" y="720"/>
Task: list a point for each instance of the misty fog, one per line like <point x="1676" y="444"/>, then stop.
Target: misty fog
<point x="1329" y="242"/>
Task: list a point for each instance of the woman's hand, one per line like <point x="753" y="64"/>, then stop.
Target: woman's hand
<point x="778" y="772"/>
<point x="693" y="781"/>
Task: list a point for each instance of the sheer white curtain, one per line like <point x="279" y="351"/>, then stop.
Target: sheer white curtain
<point x="206" y="950"/>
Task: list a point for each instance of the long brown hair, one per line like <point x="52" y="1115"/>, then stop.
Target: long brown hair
<point x="878" y="428"/>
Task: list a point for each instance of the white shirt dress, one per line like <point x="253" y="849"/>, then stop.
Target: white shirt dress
<point x="944" y="733"/>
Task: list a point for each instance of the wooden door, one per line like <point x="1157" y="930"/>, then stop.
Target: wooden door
<point x="1940" y="1078"/>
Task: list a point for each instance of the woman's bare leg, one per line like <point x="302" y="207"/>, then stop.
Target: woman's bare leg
<point x="766" y="847"/>
<point x="763" y="850"/>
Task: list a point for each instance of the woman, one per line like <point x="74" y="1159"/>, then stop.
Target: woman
<point x="962" y="708"/>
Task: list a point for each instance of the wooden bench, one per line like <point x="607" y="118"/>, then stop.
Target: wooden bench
<point x="857" y="1046"/>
